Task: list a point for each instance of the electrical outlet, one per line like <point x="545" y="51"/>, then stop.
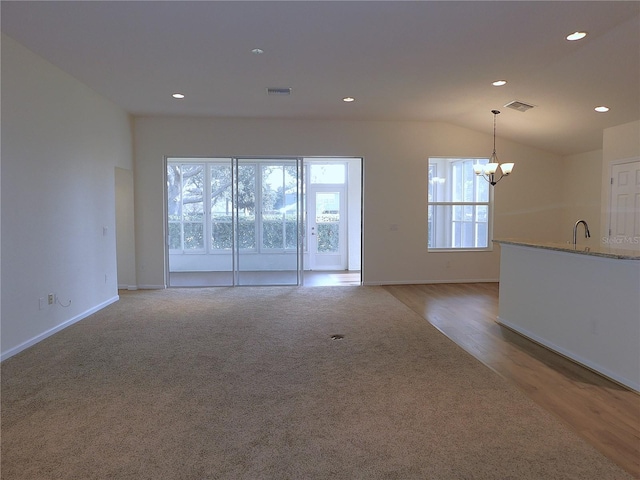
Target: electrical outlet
<point x="51" y="298"/>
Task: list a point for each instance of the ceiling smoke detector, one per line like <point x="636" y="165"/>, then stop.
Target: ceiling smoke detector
<point x="278" y="91"/>
<point x="519" y="106"/>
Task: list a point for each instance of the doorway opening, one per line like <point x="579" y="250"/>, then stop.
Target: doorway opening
<point x="263" y="221"/>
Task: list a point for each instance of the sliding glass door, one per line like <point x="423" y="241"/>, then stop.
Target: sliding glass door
<point x="269" y="218"/>
<point x="234" y="221"/>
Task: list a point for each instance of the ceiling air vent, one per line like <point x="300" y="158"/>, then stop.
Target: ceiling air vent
<point x="520" y="106"/>
<point x="278" y="91"/>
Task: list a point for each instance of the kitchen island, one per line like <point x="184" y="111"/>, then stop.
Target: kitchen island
<point x="581" y="302"/>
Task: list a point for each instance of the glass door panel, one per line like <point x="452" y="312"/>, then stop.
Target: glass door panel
<point x="220" y="258"/>
<point x="234" y="221"/>
<point x="268" y="244"/>
<point x="328" y="221"/>
<point x="327" y="242"/>
<point x="199" y="214"/>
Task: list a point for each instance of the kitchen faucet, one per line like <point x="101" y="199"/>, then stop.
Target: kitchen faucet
<point x="575" y="230"/>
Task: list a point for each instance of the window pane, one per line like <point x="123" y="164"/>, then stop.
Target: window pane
<point x="192" y="193"/>
<point x="430" y="222"/>
<point x="458" y="213"/>
<point x="221" y="207"/>
<point x="247" y="232"/>
<point x="279" y="206"/>
<point x="272" y="200"/>
<point x="457" y="182"/>
<point x="458" y="226"/>
<point x="185" y="206"/>
<point x="468" y="234"/>
<point x="246" y="198"/>
<point x="175" y="238"/>
<point x="272" y="231"/>
<point x="193" y="236"/>
<point x="432" y="173"/>
<point x="326" y="174"/>
<point x="192" y="212"/>
<point x="482" y="188"/>
<point x="174" y="192"/>
<point x="221" y="232"/>
<point x="468" y="181"/>
<point x="482" y="213"/>
<point x="327" y="207"/>
<point x="458" y="204"/>
<point x="328" y="237"/>
<point x="291" y="223"/>
<point x="221" y="201"/>
<point x="456" y="236"/>
<point x="482" y="237"/>
<point x="246" y="189"/>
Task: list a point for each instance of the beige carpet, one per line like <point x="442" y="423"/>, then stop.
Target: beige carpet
<point x="247" y="383"/>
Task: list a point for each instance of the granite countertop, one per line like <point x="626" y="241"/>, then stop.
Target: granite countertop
<point x="602" y="250"/>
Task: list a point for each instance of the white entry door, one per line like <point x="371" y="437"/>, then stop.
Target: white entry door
<point x="624" y="226"/>
<point x="326" y="228"/>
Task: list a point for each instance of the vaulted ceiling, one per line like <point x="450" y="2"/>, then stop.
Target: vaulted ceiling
<point x="399" y="60"/>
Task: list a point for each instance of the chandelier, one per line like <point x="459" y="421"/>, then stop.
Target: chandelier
<point x="488" y="171"/>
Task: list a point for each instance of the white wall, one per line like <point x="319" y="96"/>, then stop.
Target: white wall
<point x="395" y="172"/>
<point x="581" y="196"/>
<point x="61" y="143"/>
<point x="125" y="229"/>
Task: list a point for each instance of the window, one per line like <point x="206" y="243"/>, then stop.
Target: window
<point x="459" y="205"/>
<point x="279" y="207"/>
<point x="221" y="207"/>
<point x="185" y="184"/>
<point x="202" y="200"/>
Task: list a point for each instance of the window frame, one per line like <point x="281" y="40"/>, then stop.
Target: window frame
<point x="260" y="200"/>
<point x="258" y="166"/>
<point x="182" y="250"/>
<point x="434" y="220"/>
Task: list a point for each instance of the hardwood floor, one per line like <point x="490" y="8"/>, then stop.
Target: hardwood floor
<point x="604" y="413"/>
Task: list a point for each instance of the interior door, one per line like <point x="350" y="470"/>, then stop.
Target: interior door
<point x="326" y="228"/>
<point x="624" y="226"/>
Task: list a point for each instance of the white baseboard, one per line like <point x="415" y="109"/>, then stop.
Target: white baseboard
<point x="426" y="282"/>
<point x="571" y="356"/>
<point x="151" y="287"/>
<point x="38" y="338"/>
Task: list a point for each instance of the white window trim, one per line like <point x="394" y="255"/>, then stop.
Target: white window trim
<point x="489" y="204"/>
<point x="207" y="223"/>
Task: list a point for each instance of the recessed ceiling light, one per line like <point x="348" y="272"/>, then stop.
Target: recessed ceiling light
<point x="178" y="95"/>
<point x="499" y="83"/>
<point x="576" y="36"/>
<point x="601" y="109"/>
<point x="257" y="51"/>
<point x="348" y="99"/>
